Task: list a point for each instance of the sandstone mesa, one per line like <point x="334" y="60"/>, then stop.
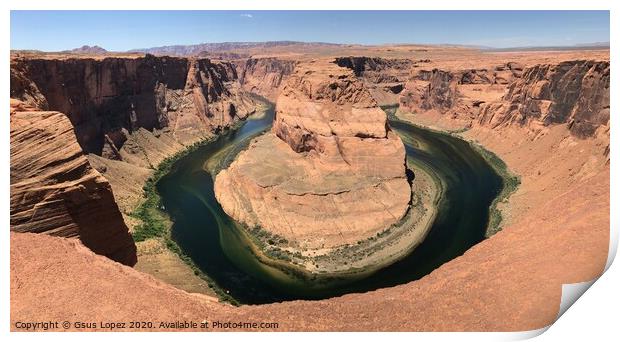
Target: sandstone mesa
<point x="330" y="167"/>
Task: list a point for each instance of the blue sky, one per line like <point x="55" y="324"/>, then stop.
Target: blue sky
<point x="124" y="30"/>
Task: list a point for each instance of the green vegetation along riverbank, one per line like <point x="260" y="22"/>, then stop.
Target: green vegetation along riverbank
<point x="155" y="223"/>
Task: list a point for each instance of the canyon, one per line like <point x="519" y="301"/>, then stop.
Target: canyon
<point x="329" y="190"/>
<point x="126" y="116"/>
<point x="101" y="126"/>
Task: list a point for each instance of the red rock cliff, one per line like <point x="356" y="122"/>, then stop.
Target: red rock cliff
<point x="185" y="96"/>
<point x="573" y="92"/>
<point x="264" y="75"/>
<point x="55" y="191"/>
<point x="136" y="110"/>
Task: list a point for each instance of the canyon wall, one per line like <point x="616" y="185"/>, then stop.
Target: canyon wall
<point x="434" y="89"/>
<point x="264" y="76"/>
<point x="55" y="191"/>
<point x="574" y="92"/>
<point x="107" y="99"/>
<point x="375" y="69"/>
<point x="129" y="114"/>
<point x="456" y="93"/>
<point x="118" y="117"/>
<point x="385" y="78"/>
<point x="330" y="172"/>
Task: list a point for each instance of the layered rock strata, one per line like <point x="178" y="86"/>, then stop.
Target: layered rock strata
<point x="456" y="92"/>
<point x="55" y="191"/>
<point x="435" y="89"/>
<point x="385" y="78"/>
<point x="574" y="92"/>
<point x="129" y="114"/>
<point x="264" y="76"/>
<point x="330" y="172"/>
<point x="107" y="99"/>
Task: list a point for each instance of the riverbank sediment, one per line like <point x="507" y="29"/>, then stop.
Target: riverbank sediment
<point x="363" y="257"/>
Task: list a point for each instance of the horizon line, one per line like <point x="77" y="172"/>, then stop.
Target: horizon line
<point x="600" y="44"/>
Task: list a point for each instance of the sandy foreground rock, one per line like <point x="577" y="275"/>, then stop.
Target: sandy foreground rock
<point x="330" y="172"/>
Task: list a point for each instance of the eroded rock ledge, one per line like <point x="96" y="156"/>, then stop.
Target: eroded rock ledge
<point x="575" y="92"/>
<point x="55" y="191"/>
<point x="329" y="173"/>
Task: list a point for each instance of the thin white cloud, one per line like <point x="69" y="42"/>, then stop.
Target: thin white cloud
<point x="247" y="15"/>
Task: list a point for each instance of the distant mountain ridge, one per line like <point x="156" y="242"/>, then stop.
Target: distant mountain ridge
<point x="196" y="49"/>
<point x="235" y="50"/>
<point x="585" y="46"/>
<point x="87" y="49"/>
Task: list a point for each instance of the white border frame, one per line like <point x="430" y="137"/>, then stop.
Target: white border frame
<point x="593" y="316"/>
